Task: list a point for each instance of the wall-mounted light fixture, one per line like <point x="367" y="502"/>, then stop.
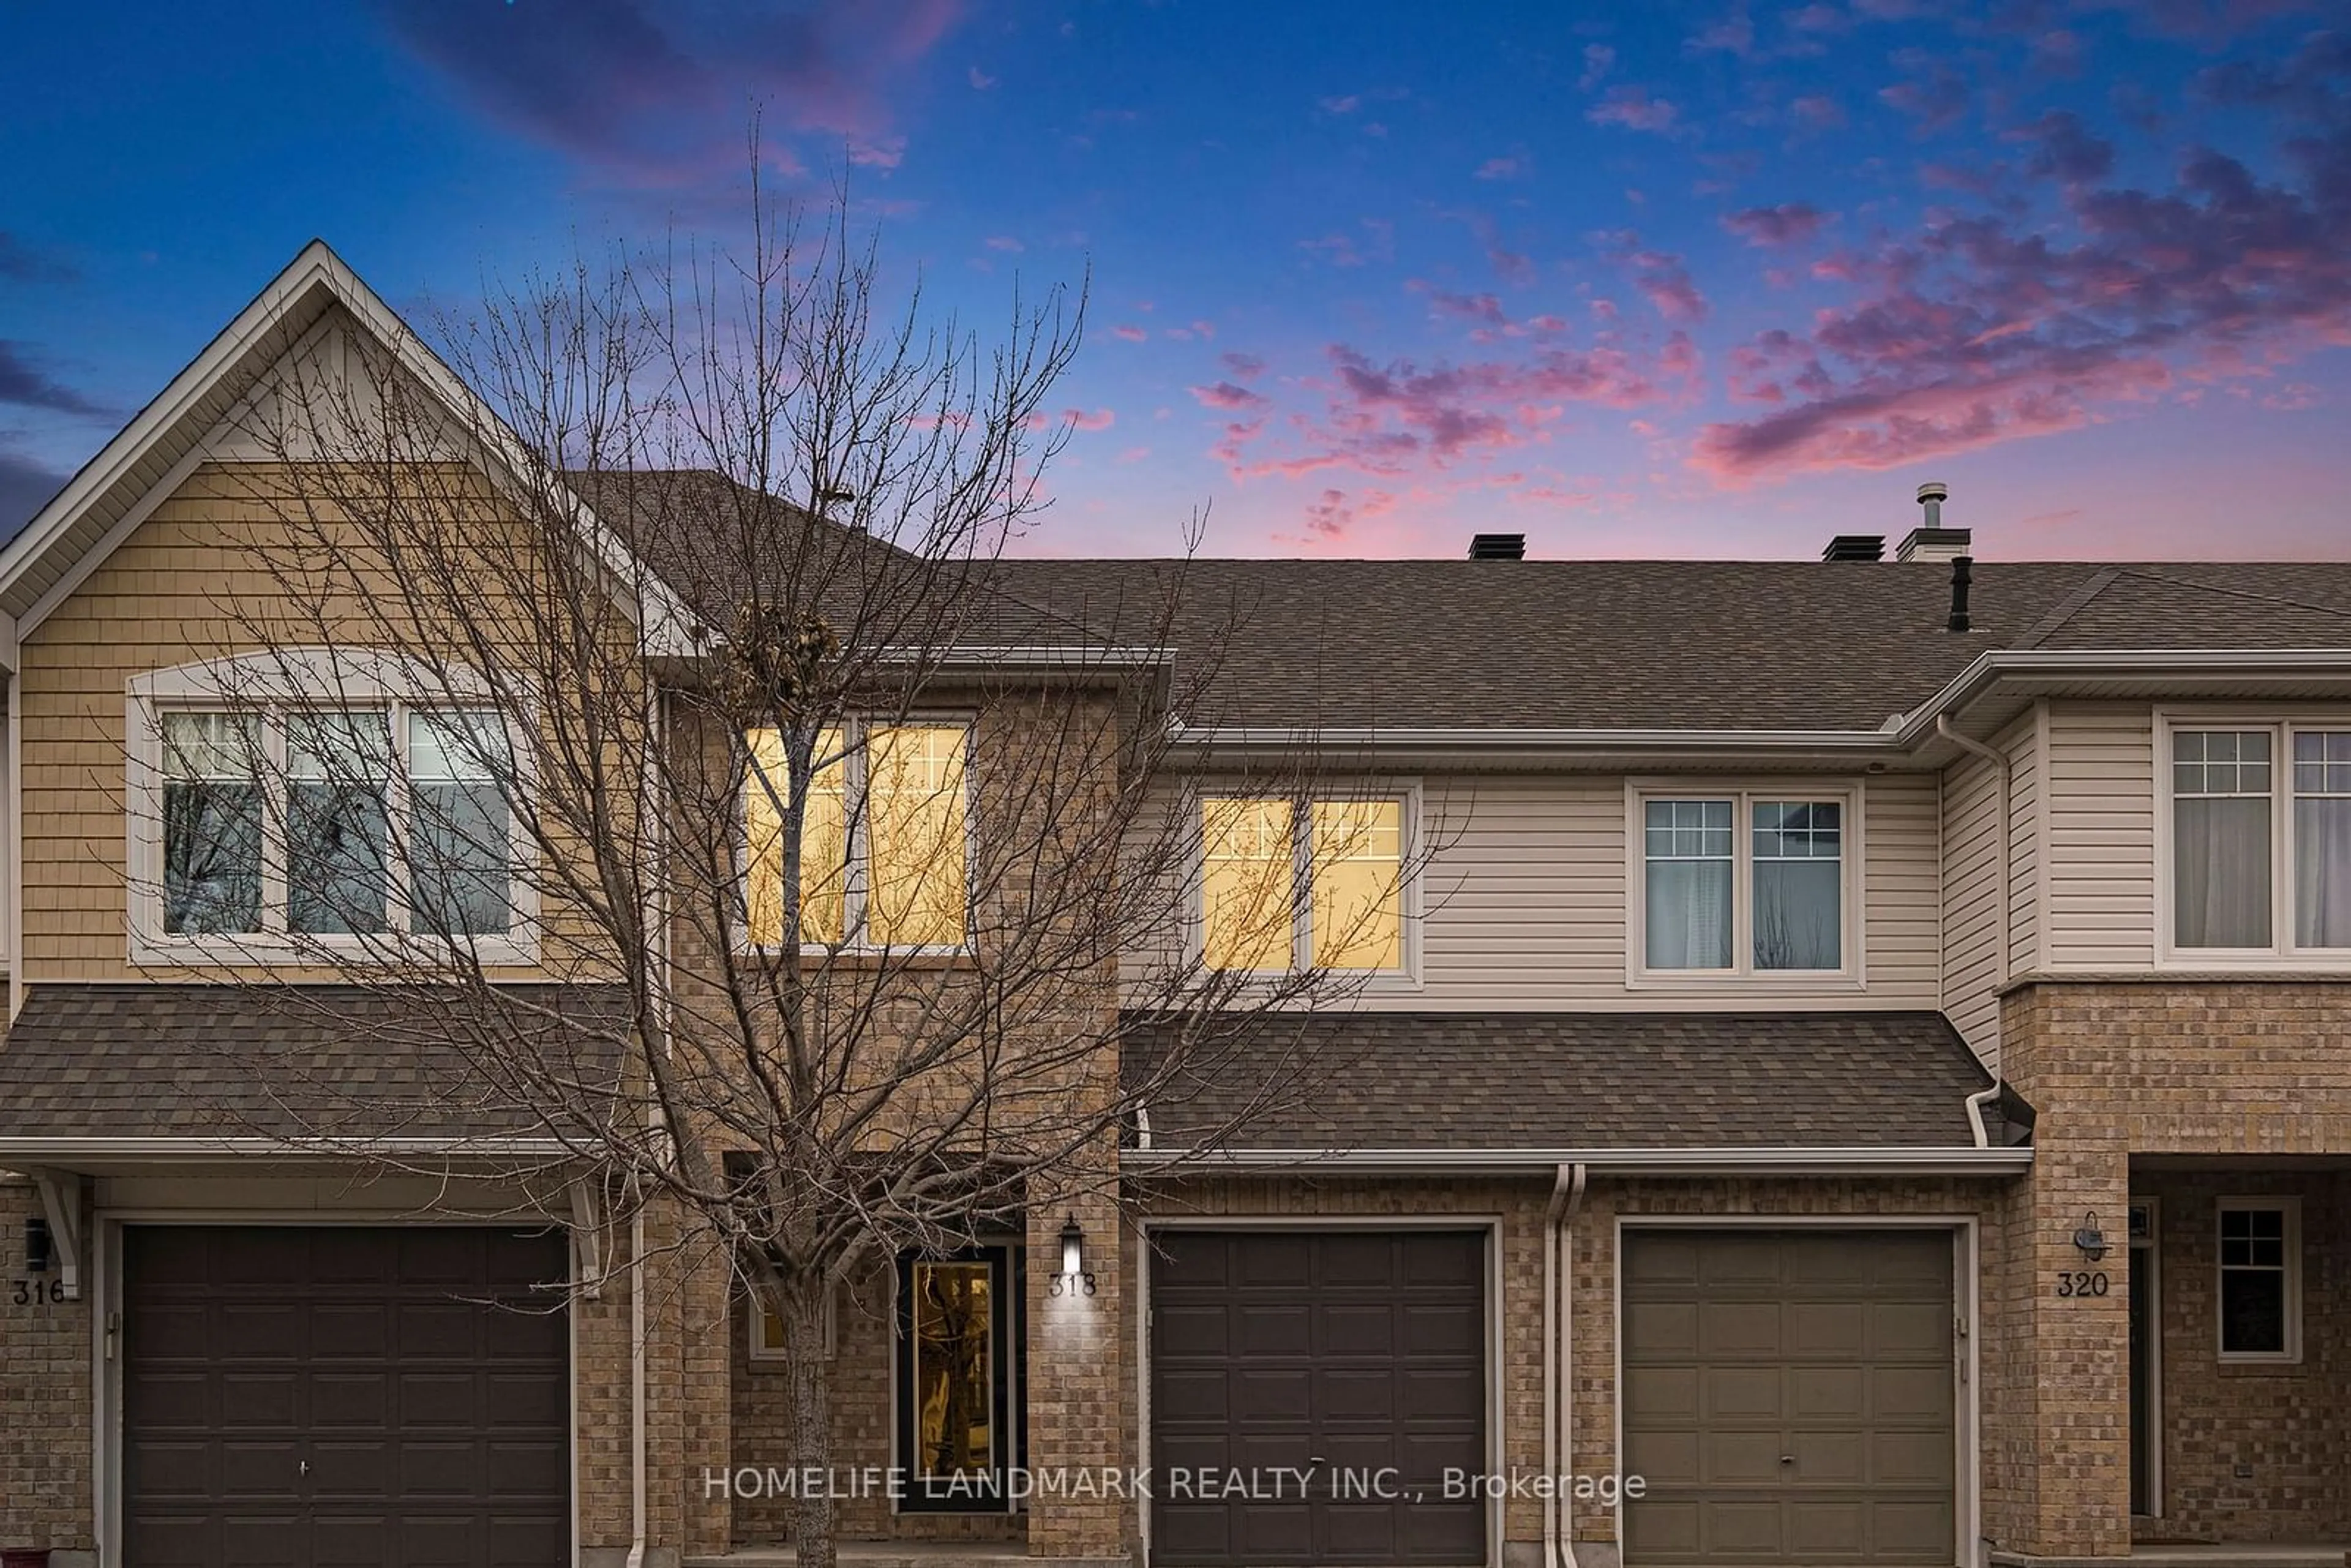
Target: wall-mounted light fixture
<point x="2090" y="1239"/>
<point x="39" y="1254"/>
<point x="1074" y="1248"/>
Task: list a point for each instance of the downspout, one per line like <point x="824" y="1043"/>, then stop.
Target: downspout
<point x="1977" y="1102"/>
<point x="637" y="1509"/>
<point x="1559" y="1363"/>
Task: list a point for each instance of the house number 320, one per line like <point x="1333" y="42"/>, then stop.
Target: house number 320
<point x="38" y="1293"/>
<point x="2082" y="1283"/>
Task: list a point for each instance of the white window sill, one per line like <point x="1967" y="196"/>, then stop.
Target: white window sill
<point x="385" y="952"/>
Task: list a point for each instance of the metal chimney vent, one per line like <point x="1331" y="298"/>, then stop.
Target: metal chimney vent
<point x="1855" y="547"/>
<point x="1498" y="547"/>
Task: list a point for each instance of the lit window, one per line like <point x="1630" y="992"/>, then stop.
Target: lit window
<point x="884" y="823"/>
<point x="1790" y="859"/>
<point x="1318" y="887"/>
<point x="2261" y="1285"/>
<point x="959" y="1336"/>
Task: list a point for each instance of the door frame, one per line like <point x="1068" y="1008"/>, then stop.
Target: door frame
<point x="1966" y="1368"/>
<point x="2149" y="1253"/>
<point x="106" y="1362"/>
<point x="1483" y="1220"/>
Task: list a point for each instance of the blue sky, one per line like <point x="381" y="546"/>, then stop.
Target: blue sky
<point x="1713" y="278"/>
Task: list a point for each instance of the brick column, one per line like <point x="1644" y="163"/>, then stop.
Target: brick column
<point x="2073" y="1412"/>
<point x="1078" y="1366"/>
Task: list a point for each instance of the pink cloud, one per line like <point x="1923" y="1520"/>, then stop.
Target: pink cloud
<point x="877" y="153"/>
<point x="1633" y="108"/>
<point x="1227" y="395"/>
<point x="1247" y="367"/>
<point x="1666" y="284"/>
<point x="653" y="94"/>
<point x="1789" y="223"/>
<point x="1129" y="333"/>
<point x="1079" y="419"/>
<point x="1342" y="104"/>
<point x="1998" y="325"/>
<point x="1511" y="167"/>
<point x="1817" y="112"/>
<point x="1005" y="243"/>
<point x="1486" y="310"/>
<point x="1598" y="60"/>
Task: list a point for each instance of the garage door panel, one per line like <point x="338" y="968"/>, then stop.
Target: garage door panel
<point x="1831" y="1348"/>
<point x="1388" y="1374"/>
<point x="1435" y="1328"/>
<point x="1356" y="1328"/>
<point x="1265" y="1328"/>
<point x="1732" y="1329"/>
<point x="1742" y="1394"/>
<point x="1830" y="1393"/>
<point x="1192" y="1330"/>
<point x="1737" y="1458"/>
<point x="1921" y="1329"/>
<point x="323" y="1348"/>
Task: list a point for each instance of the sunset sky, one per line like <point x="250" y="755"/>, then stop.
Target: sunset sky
<point x="1680" y="280"/>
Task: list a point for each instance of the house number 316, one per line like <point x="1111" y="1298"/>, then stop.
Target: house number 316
<point x="2082" y="1283"/>
<point x="38" y="1293"/>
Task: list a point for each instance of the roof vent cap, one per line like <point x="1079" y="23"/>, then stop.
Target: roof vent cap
<point x="1930" y="541"/>
<point x="1498" y="547"/>
<point x="1855" y="547"/>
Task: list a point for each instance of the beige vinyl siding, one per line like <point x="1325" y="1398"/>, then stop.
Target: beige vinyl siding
<point x="1526" y="901"/>
<point x="160" y="599"/>
<point x="2026" y="818"/>
<point x="1972" y="912"/>
<point x="2101" y="899"/>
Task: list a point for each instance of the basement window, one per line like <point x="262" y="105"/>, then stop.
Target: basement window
<point x="2260" y="1279"/>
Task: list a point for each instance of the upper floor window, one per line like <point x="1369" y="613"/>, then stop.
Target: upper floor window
<point x="295" y="822"/>
<point x="1738" y="884"/>
<point x="2261" y="853"/>
<point x="1289" y="883"/>
<point x="884" y="853"/>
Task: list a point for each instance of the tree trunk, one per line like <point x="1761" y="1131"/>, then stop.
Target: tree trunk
<point x="808" y="1378"/>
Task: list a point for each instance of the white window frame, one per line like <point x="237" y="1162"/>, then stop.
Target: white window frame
<point x="1849" y="794"/>
<point x="268" y="686"/>
<point x="2282" y="951"/>
<point x="2291" y="1206"/>
<point x="766" y="1354"/>
<point x="1406" y="792"/>
<point x="856" y="882"/>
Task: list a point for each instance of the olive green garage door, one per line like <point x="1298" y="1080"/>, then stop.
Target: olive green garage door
<point x="1789" y="1397"/>
<point x="352" y="1397"/>
<point x="1357" y="1354"/>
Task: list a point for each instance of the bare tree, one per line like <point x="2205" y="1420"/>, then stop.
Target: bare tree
<point x="693" y="681"/>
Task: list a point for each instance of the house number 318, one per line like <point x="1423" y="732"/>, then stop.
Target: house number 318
<point x="2082" y="1283"/>
<point x="38" y="1293"/>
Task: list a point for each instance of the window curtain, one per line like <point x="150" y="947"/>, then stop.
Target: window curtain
<point x="1796" y="924"/>
<point x="2321" y="872"/>
<point x="2221" y="872"/>
<point x="1689" y="914"/>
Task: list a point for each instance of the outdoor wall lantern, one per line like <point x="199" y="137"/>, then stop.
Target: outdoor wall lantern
<point x="2090" y="1239"/>
<point x="38" y="1254"/>
<point x="1073" y="1279"/>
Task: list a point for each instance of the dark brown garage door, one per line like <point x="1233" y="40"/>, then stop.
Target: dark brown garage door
<point x="1360" y="1354"/>
<point x="1788" y="1396"/>
<point x="343" y="1398"/>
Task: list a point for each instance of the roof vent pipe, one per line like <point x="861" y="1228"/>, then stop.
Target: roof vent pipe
<point x="1932" y="496"/>
<point x="1930" y="541"/>
<point x="1962" y="573"/>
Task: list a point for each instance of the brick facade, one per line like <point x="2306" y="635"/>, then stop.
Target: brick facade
<point x="2185" y="1086"/>
<point x="45" y="1397"/>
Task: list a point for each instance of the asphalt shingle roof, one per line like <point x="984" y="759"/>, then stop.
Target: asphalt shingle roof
<point x="1644" y="645"/>
<point x="291" y="1062"/>
<point x="1578" y="1080"/>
